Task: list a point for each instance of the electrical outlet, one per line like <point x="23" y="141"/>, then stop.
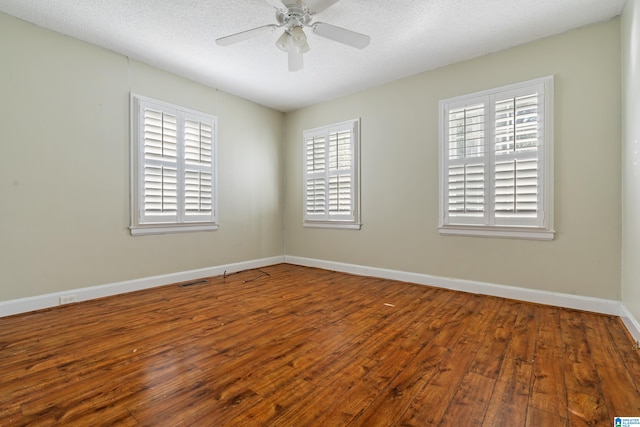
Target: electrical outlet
<point x="67" y="299"/>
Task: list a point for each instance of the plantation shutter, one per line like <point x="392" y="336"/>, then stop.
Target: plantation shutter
<point x="496" y="162"/>
<point x="519" y="144"/>
<point x="315" y="182"/>
<point x="330" y="173"/>
<point x="176" y="179"/>
<point x="340" y="173"/>
<point x="198" y="169"/>
<point x="160" y="166"/>
<point x="465" y="164"/>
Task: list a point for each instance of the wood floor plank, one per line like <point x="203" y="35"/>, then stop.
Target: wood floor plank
<point x="621" y="340"/>
<point x="492" y="351"/>
<point x="621" y="395"/>
<point x="584" y="393"/>
<point x="587" y="410"/>
<point x="390" y="401"/>
<point x="540" y="418"/>
<point x="548" y="390"/>
<point x="290" y="345"/>
<point x="470" y="402"/>
<point x="524" y="335"/>
<point x="509" y="400"/>
<point x="430" y="405"/>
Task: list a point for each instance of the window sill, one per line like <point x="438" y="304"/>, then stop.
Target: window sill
<point x="528" y="233"/>
<point x="145" y="229"/>
<point x="339" y="225"/>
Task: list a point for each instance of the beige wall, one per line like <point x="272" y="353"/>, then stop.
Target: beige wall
<point x="64" y="169"/>
<point x="399" y="162"/>
<point x="631" y="158"/>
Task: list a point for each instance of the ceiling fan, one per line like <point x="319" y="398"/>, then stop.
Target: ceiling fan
<point x="293" y="15"/>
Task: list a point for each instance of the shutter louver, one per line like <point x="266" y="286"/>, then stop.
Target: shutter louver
<point x="466" y="162"/>
<point x="160" y="191"/>
<point x="198" y="142"/>
<point x="160" y="136"/>
<point x="517" y="124"/>
<point x="316" y="198"/>
<point x="516" y="188"/>
<point x="466" y="132"/>
<point x="198" y="190"/>
<point x="315" y="155"/>
<point x="198" y="178"/>
<point x="160" y="180"/>
<point x="340" y="195"/>
<point x="340" y="188"/>
<point x="466" y="190"/>
<point x="516" y="174"/>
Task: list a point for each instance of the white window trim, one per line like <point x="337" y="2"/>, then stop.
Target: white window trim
<point x="354" y="222"/>
<point x="332" y="224"/>
<point x="546" y="230"/>
<point x="138" y="227"/>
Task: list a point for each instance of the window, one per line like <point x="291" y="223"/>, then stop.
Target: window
<point x="172" y="168"/>
<point x="331" y="176"/>
<point x="496" y="162"/>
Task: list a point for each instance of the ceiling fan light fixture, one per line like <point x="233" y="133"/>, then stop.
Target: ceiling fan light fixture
<point x="284" y="42"/>
<point x="298" y="37"/>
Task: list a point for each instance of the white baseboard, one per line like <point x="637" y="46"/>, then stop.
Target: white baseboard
<point x="23" y="305"/>
<point x="630" y="322"/>
<point x="595" y="305"/>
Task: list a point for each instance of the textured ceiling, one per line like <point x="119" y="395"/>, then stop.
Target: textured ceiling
<point x="407" y="37"/>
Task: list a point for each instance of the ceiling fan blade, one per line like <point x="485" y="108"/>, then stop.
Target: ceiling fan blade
<point x="277" y="4"/>
<point x="295" y="60"/>
<point x="245" y="35"/>
<point x="317" y="6"/>
<point x="341" y="35"/>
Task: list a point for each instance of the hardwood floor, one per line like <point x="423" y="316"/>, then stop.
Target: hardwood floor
<point x="295" y="346"/>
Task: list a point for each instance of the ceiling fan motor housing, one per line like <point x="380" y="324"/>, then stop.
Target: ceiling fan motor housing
<point x="294" y="16"/>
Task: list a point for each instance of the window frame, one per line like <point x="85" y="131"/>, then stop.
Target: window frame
<point x="143" y="224"/>
<point x="488" y="225"/>
<point x="328" y="220"/>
